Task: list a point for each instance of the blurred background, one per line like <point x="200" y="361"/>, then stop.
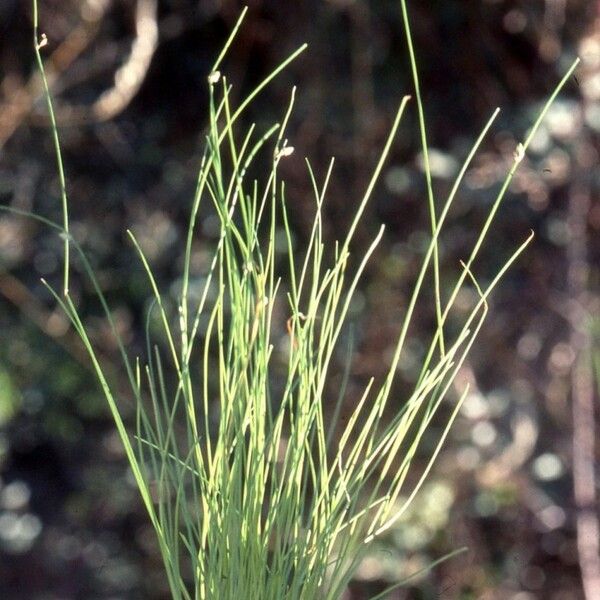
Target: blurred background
<point x="515" y="482"/>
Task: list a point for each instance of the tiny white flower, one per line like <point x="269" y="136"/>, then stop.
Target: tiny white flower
<point x="43" y="41"/>
<point x="519" y="153"/>
<point x="214" y="77"/>
<point x="283" y="152"/>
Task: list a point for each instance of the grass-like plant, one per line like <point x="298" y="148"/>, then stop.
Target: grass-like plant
<point x="254" y="490"/>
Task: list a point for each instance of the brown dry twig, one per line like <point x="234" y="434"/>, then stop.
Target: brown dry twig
<point x="130" y="76"/>
<point x="582" y="378"/>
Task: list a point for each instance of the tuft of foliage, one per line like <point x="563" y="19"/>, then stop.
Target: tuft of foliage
<point x="250" y="490"/>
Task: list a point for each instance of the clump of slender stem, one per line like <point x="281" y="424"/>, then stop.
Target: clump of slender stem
<point x="263" y="501"/>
